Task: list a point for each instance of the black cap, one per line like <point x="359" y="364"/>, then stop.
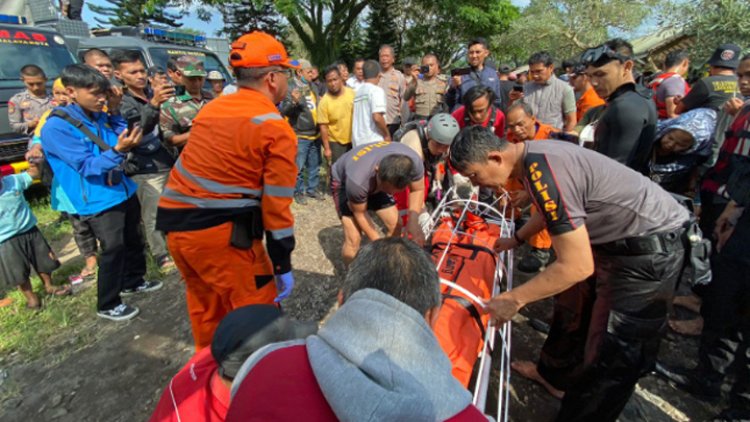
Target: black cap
<point x="247" y="329"/>
<point x="410" y="61"/>
<point x="579" y="69"/>
<point x="155" y="70"/>
<point x="504" y="69"/>
<point x="726" y="55"/>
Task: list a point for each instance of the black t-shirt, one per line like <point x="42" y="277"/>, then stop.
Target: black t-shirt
<point x="711" y="92"/>
<point x="627" y="128"/>
<point x="505" y="89"/>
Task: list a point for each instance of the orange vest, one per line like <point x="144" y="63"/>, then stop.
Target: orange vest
<point x="240" y="156"/>
<point x="588" y="100"/>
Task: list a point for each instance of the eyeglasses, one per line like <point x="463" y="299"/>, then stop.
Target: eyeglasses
<point x="601" y="55"/>
<point x="285" y="72"/>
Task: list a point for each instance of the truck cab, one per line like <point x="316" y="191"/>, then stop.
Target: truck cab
<point x="20" y="45"/>
<point x="155" y="46"/>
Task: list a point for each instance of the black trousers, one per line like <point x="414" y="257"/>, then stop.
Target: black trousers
<point x="607" y="330"/>
<point x="393" y="127"/>
<point x="725" y="340"/>
<point x="122" y="262"/>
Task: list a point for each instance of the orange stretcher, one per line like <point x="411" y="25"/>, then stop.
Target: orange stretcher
<point x="462" y="236"/>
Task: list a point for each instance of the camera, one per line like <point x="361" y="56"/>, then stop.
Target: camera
<point x="424" y="69"/>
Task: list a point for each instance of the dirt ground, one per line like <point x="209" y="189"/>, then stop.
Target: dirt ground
<point x="120" y="375"/>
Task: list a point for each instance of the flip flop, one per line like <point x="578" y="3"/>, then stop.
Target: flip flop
<point x="87" y="273"/>
<point x="61" y="291"/>
<point x="6" y="301"/>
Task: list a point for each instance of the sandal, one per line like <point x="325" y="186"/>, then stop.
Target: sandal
<point x="59" y="291"/>
<point x="87" y="273"/>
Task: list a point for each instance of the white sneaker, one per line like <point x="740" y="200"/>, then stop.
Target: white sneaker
<point x="121" y="312"/>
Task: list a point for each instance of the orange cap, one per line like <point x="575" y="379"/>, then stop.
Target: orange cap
<point x="258" y="49"/>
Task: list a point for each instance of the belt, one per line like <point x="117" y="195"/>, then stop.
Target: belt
<point x="661" y="242"/>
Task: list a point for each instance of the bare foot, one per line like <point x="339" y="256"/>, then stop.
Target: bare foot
<point x="688" y="327"/>
<point x="528" y="370"/>
<point x="689" y="302"/>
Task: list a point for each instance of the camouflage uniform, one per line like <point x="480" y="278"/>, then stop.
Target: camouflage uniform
<point x="24" y="107"/>
<point x="178" y="112"/>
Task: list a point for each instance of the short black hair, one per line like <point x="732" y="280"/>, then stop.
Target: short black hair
<point x="396" y="169"/>
<point x="675" y="58"/>
<point x="95" y="52"/>
<point x="124" y="56"/>
<point x="543" y="57"/>
<point x="476" y="92"/>
<point x="567" y="63"/>
<point x="359" y="59"/>
<point x="370" y="69"/>
<point x="172" y="64"/>
<point x="619" y="45"/>
<point x="397" y="267"/>
<point x="472" y="145"/>
<point x="745" y="57"/>
<point x="332" y="68"/>
<point x="479" y="40"/>
<point x="83" y="76"/>
<point x="32" y="70"/>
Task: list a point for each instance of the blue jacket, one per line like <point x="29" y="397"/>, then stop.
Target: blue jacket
<point x="487" y="77"/>
<point x="80" y="167"/>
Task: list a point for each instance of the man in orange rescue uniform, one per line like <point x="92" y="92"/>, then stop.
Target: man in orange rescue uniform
<point x="523" y="126"/>
<point x="234" y="183"/>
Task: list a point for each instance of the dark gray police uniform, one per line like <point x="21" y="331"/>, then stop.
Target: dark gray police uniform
<point x="354" y="179"/>
<point x="606" y="330"/>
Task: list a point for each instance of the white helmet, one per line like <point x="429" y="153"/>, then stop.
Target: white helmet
<point x="442" y="128"/>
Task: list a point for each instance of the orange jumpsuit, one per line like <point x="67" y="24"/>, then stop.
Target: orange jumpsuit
<point x="238" y="161"/>
<point x="541" y="240"/>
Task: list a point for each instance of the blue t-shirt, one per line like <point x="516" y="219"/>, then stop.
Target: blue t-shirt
<point x="15" y="214"/>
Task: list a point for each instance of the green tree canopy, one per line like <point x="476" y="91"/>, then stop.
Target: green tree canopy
<point x="713" y="22"/>
<point x="567" y="27"/>
<point x="136" y="12"/>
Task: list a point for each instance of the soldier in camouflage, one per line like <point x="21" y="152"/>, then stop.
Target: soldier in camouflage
<point x="177" y="113"/>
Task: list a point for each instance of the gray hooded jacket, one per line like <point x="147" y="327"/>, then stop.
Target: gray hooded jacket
<point x="376" y="359"/>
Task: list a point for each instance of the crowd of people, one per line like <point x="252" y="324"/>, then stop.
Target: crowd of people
<point x="612" y="204"/>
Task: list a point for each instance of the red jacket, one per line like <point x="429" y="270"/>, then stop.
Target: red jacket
<point x="194" y="394"/>
<point x="282" y="387"/>
<point x="498" y="124"/>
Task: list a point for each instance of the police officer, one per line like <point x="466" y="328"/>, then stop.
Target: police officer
<point x="26" y="108"/>
<point x="231" y="187"/>
<point x="428" y="92"/>
<point x="178" y="112"/>
<point x="614" y="231"/>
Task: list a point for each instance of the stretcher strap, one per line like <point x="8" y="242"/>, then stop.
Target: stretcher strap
<point x="470" y="308"/>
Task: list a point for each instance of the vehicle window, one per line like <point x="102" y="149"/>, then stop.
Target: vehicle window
<point x="161" y="55"/>
<point x="21" y="47"/>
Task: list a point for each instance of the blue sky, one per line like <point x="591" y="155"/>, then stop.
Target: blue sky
<point x="210" y="28"/>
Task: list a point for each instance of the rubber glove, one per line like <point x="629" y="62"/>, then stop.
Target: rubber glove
<point x="284" y="285"/>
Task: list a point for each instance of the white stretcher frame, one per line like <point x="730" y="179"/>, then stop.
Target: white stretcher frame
<point x="503" y="270"/>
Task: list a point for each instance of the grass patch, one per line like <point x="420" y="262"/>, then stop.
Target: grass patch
<point x="27" y="334"/>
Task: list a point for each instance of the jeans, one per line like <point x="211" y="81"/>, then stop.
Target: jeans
<point x="122" y="263"/>
<point x="149" y="190"/>
<point x="308" y="159"/>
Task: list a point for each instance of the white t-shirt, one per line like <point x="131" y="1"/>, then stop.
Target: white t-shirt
<point x="369" y="99"/>
<point x="354" y="83"/>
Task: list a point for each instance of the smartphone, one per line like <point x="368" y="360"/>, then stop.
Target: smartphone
<point x="518" y="87"/>
<point x="424" y="69"/>
<point x="461" y="71"/>
<point x="179" y="90"/>
<point x="133" y="118"/>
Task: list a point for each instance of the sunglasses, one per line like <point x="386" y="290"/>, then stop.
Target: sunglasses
<point x="601" y="55"/>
